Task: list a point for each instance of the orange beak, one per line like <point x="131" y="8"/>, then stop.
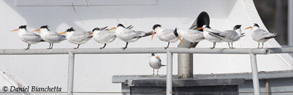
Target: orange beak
<point x="91" y="34"/>
<point x="153" y="34"/>
<point x="113" y="28"/>
<point x="248" y="27"/>
<point x="200" y="28"/>
<point x="61" y="33"/>
<point x="36" y="30"/>
<point x="14" y="30"/>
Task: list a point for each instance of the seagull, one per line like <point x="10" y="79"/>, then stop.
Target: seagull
<point x="230" y="36"/>
<point x="191" y="35"/>
<point x="101" y="35"/>
<point x="27" y="37"/>
<point x="167" y="35"/>
<point x="76" y="37"/>
<point x="126" y="34"/>
<point x="207" y="35"/>
<point x="155" y="63"/>
<point x="260" y="35"/>
<point x="50" y="36"/>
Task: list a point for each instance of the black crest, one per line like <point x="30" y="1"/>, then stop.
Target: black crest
<point x="153" y="54"/>
<point x="97" y="28"/>
<point x="255" y="24"/>
<point x="156" y="25"/>
<point x="45" y="26"/>
<point x="70" y="29"/>
<point x="22" y="27"/>
<point x="120" y="25"/>
<point x="237" y="27"/>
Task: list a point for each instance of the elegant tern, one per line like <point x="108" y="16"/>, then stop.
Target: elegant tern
<point x="207" y="35"/>
<point x="155" y="63"/>
<point x="103" y="36"/>
<point x="76" y="37"/>
<point x="191" y="35"/>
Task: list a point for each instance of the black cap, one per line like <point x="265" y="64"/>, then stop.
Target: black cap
<point x="120" y="25"/>
<point x="153" y="54"/>
<point x="156" y="25"/>
<point x="45" y="26"/>
<point x="255" y="24"/>
<point x="70" y="29"/>
<point x="22" y="27"/>
<point x="97" y="28"/>
<point x="236" y="27"/>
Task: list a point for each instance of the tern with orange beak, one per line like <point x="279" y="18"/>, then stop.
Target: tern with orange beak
<point x="207" y="35"/>
<point x="166" y="35"/>
<point x="28" y="37"/>
<point x="230" y="36"/>
<point x="50" y="36"/>
<point x="155" y="63"/>
<point x="127" y="35"/>
<point x="76" y="37"/>
<point x="260" y="35"/>
<point x="191" y="35"/>
<point x="103" y="36"/>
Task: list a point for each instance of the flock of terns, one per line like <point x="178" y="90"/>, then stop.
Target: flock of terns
<point x="106" y="35"/>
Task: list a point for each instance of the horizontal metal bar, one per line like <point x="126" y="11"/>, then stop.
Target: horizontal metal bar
<point x="281" y="50"/>
<point x="140" y="51"/>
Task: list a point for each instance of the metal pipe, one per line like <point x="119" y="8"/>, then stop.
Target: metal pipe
<point x="185" y="65"/>
<point x="169" y="73"/>
<point x="254" y="74"/>
<point x="290" y="23"/>
<point x="140" y="51"/>
<point x="70" y="76"/>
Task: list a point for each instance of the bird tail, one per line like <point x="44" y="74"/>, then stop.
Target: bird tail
<point x="163" y="65"/>
<point x="242" y="34"/>
<point x="272" y="36"/>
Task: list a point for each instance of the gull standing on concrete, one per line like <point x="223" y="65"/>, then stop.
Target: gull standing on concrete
<point x="103" y="36"/>
<point x="230" y="36"/>
<point x="166" y="35"/>
<point x="155" y="63"/>
<point x="77" y="37"/>
<point x="260" y="35"/>
<point x="127" y="35"/>
<point x="27" y="37"/>
<point x="207" y="35"/>
<point x="50" y="36"/>
<point x="191" y="35"/>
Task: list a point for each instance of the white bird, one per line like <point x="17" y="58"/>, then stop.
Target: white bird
<point x="230" y="36"/>
<point x="77" y="37"/>
<point x="27" y="37"/>
<point x="166" y="35"/>
<point x="50" y="36"/>
<point x="191" y="35"/>
<point x="155" y="63"/>
<point x="127" y="35"/>
<point x="207" y="35"/>
<point x="260" y="35"/>
<point x="103" y="36"/>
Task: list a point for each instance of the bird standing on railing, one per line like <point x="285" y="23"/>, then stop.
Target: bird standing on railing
<point x="230" y="36"/>
<point x="166" y="35"/>
<point x="50" y="36"/>
<point x="103" y="36"/>
<point x="77" y="37"/>
<point x="260" y="35"/>
<point x="27" y="37"/>
<point x="155" y="63"/>
<point x="127" y="34"/>
<point x="191" y="35"/>
<point x="207" y="35"/>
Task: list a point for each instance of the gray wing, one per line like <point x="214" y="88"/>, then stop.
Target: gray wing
<point x="80" y="36"/>
<point x="261" y="34"/>
<point x="30" y="36"/>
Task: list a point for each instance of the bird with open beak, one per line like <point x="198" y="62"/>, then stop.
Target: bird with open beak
<point x="166" y="35"/>
<point x="76" y="37"/>
<point x="27" y="37"/>
<point x="260" y="35"/>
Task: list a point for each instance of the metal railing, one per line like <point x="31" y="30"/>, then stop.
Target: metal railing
<point x="71" y="56"/>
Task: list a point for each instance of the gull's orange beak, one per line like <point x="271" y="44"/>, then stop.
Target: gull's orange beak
<point x="14" y="30"/>
<point x="179" y="37"/>
<point x="153" y="34"/>
<point x="36" y="30"/>
<point x="113" y="28"/>
<point x="248" y="27"/>
<point x="90" y="33"/>
<point x="61" y="33"/>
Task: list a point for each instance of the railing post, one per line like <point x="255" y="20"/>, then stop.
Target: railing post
<point x="254" y="74"/>
<point x="70" y="76"/>
<point x="169" y="73"/>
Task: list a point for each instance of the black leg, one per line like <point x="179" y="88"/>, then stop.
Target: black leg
<point x="153" y="71"/>
<point x="167" y="45"/>
<point x="28" y="46"/>
<point x="77" y="46"/>
<point x="229" y="45"/>
<point x="232" y="45"/>
<point x="157" y="71"/>
<point x="214" y="45"/>
<point x="52" y="46"/>
<point x="262" y="44"/>
<point x="125" y="45"/>
<point x="257" y="44"/>
<point x="103" y="46"/>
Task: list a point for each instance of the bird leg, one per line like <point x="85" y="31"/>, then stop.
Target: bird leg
<point x="167" y="45"/>
<point x="262" y="44"/>
<point x="229" y="45"/>
<point x="125" y="46"/>
<point x="232" y="45"/>
<point x="52" y="46"/>
<point x="153" y="71"/>
<point x="28" y="46"/>
<point x="157" y="71"/>
<point x="214" y="45"/>
<point x="77" y="46"/>
<point x="103" y="46"/>
<point x="257" y="44"/>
